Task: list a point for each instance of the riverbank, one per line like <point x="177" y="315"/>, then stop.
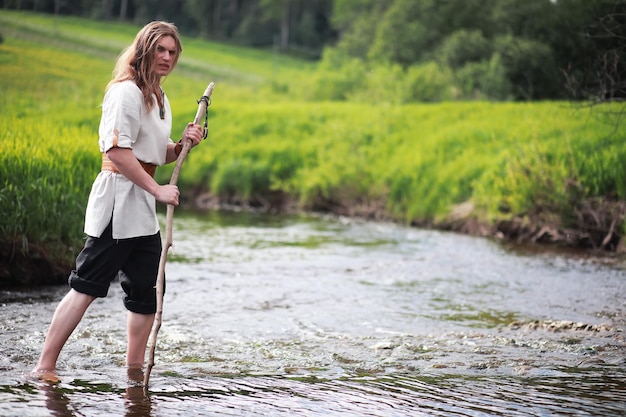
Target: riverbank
<point x="35" y="267"/>
<point x="596" y="232"/>
<point x="597" y="238"/>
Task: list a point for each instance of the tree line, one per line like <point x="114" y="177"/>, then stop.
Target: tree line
<point x="492" y="49"/>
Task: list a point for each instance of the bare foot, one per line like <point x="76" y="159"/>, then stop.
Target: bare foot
<point x="45" y="375"/>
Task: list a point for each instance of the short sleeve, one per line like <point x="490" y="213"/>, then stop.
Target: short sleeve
<point x="121" y="116"/>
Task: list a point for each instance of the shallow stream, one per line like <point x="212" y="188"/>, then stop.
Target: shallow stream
<point x="309" y="316"/>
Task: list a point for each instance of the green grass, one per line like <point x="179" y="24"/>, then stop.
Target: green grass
<point x="420" y="160"/>
<point x="414" y="163"/>
<point x="245" y="72"/>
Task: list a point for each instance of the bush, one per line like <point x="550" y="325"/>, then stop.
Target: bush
<point x="484" y="80"/>
<point x="463" y="47"/>
<point x="383" y="83"/>
<point x="335" y="79"/>
<point x="525" y="63"/>
<point x="428" y="82"/>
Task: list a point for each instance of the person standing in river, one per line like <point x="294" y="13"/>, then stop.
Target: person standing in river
<point x="123" y="234"/>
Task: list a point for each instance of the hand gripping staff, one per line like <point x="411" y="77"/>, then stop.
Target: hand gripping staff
<point x="203" y="112"/>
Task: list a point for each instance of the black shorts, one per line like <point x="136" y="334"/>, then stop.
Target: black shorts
<point x="134" y="260"/>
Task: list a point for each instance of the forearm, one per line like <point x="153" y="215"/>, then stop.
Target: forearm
<point x="171" y="154"/>
<point x="128" y="165"/>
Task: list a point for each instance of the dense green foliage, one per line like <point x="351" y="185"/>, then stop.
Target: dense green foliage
<point x="489" y="49"/>
<point x="414" y="163"/>
<point x="484" y="49"/>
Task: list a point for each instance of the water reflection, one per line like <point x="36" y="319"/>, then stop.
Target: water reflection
<point x="301" y="316"/>
<point x="56" y="401"/>
<point x="591" y="393"/>
<point x="77" y="397"/>
<point x="138" y="403"/>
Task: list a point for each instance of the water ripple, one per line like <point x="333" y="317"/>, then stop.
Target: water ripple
<point x="384" y="396"/>
<point x="282" y="316"/>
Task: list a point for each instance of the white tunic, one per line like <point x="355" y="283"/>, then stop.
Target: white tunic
<point x="126" y="123"/>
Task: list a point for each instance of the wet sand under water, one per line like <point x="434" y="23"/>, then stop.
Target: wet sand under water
<point x="305" y="316"/>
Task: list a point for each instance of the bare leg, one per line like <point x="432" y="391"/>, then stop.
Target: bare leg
<point x="68" y="314"/>
<point x="139" y="327"/>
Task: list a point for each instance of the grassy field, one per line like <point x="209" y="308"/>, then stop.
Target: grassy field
<point x="535" y="170"/>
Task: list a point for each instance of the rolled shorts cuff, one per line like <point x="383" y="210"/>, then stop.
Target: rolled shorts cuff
<point x="93" y="289"/>
<point x="139" y="307"/>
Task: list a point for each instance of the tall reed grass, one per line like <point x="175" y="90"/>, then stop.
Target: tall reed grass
<point x="418" y="161"/>
<point x="43" y="186"/>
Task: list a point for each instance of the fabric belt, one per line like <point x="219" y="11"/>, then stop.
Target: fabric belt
<point x="108" y="165"/>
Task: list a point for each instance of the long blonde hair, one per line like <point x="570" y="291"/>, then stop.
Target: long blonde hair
<point x="136" y="62"/>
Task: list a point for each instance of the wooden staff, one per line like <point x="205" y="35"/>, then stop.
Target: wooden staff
<point x="203" y="103"/>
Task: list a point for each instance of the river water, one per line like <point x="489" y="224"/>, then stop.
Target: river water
<point x="313" y="316"/>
